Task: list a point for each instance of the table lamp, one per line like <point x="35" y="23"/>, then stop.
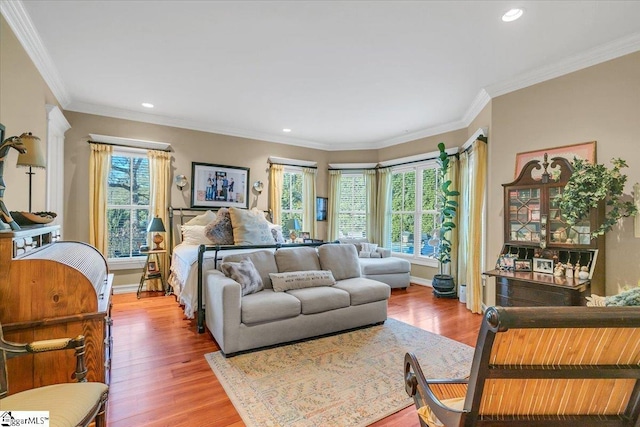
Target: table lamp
<point x="156" y="225"/>
<point x="293" y="225"/>
<point x="32" y="158"/>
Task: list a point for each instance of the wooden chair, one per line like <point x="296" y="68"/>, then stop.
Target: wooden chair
<point x="541" y="366"/>
<point x="69" y="404"/>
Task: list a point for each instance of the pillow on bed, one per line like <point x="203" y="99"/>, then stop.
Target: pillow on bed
<point x="203" y="219"/>
<point x="194" y="235"/>
<point x="245" y="273"/>
<point x="220" y="231"/>
<point x="301" y="279"/>
<point x="250" y="227"/>
<point x="276" y="232"/>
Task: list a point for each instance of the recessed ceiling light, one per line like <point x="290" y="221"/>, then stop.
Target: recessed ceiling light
<point x="286" y="130"/>
<point x="147" y="105"/>
<point x="512" y="15"/>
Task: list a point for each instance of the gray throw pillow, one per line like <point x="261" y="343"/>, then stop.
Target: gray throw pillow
<point x="220" y="231"/>
<point x="245" y="273"/>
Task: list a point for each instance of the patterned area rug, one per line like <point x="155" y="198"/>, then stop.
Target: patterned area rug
<point x="350" y="379"/>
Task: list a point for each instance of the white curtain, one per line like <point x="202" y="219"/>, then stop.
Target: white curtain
<point x="276" y="181"/>
<point x="99" y="166"/>
<point x="333" y="205"/>
<point x="309" y="201"/>
<point x="473" y="199"/>
<point x="383" y="210"/>
<point x="371" y="188"/>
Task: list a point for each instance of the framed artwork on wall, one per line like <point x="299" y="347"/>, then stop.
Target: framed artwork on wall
<point x="217" y="186"/>
<point x="321" y="208"/>
<point x="585" y="151"/>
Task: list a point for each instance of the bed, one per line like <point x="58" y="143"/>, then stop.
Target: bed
<point x="190" y="261"/>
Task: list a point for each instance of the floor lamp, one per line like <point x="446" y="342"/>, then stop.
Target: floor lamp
<point x="32" y="158"/>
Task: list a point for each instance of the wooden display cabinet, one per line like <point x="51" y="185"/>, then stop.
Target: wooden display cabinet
<point x="534" y="228"/>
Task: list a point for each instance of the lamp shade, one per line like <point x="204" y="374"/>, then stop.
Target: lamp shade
<point x="156" y="225"/>
<point x="294" y="224"/>
<point x="34" y="156"/>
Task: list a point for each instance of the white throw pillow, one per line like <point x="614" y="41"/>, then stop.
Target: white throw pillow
<point x="250" y="227"/>
<point x="194" y="235"/>
<point x="202" y="219"/>
<point x="301" y="279"/>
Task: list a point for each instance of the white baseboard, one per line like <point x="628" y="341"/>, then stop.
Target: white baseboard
<point x="125" y="289"/>
<point x="420" y="281"/>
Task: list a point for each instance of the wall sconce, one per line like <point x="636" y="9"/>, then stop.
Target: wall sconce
<point x="181" y="181"/>
<point x="258" y="186"/>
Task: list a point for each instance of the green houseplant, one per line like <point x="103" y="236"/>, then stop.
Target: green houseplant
<point x="588" y="186"/>
<point x="443" y="284"/>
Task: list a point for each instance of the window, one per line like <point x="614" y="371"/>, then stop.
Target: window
<point x="414" y="216"/>
<point x="352" y="214"/>
<point x="127" y="204"/>
<point x="291" y="202"/>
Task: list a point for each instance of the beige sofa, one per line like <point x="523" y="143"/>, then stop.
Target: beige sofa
<point x="268" y="317"/>
<point x="378" y="264"/>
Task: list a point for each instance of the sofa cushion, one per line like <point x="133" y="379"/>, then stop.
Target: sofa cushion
<point x="268" y="306"/>
<point x="357" y="242"/>
<point x="301" y="279"/>
<point x="297" y="259"/>
<point x="321" y="299"/>
<point x="384" y="266"/>
<point x="341" y="259"/>
<point x="220" y="231"/>
<point x="245" y="274"/>
<point x="263" y="260"/>
<point x="250" y="227"/>
<point x="364" y="291"/>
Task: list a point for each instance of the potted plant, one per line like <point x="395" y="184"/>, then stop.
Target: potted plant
<point x="443" y="284"/>
<point x="588" y="186"/>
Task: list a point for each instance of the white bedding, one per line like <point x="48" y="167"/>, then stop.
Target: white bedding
<point x="184" y="273"/>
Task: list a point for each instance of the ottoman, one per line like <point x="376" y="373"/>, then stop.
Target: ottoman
<point x="395" y="272"/>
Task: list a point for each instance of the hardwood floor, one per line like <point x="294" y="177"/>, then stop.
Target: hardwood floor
<point x="159" y="376"/>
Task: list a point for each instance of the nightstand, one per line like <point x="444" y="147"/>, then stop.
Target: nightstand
<point x="152" y="269"/>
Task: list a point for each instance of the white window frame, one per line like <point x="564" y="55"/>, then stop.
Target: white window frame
<point x="292" y="170"/>
<point x="134" y="262"/>
<point x="416" y="257"/>
<point x="364" y="212"/>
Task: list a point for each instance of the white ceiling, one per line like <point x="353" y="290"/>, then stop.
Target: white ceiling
<point x="340" y="74"/>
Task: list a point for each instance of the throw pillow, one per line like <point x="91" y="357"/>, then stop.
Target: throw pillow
<point x="276" y="232"/>
<point x="301" y="279"/>
<point x="220" y="231"/>
<point x="245" y="273"/>
<point x="202" y="219"/>
<point x="250" y="228"/>
<point x="194" y="235"/>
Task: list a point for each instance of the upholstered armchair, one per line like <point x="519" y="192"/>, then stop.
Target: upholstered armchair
<point x="69" y="404"/>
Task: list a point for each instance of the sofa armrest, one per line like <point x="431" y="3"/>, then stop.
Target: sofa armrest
<point x="384" y="252"/>
<point x="223" y="300"/>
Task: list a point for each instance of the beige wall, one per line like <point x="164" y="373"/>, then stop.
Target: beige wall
<point x="600" y="103"/>
<point x="23" y="96"/>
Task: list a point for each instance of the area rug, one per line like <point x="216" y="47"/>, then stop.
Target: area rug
<point x="351" y="379"/>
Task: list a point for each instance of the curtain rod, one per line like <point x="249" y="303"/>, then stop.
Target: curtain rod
<point x="167" y="150"/>
<point x="292" y="164"/>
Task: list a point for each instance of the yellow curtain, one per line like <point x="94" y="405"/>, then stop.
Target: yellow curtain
<point x="309" y="201"/>
<point x="371" y="188"/>
<point x="333" y="205"/>
<point x="159" y="175"/>
<point x="463" y="220"/>
<point x="99" y="165"/>
<point x="453" y="175"/>
<point x="382" y="229"/>
<point x="276" y="181"/>
<point x="477" y="180"/>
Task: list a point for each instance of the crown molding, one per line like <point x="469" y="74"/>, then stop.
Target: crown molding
<point x="597" y="55"/>
<point x="480" y="101"/>
<point x="22" y="26"/>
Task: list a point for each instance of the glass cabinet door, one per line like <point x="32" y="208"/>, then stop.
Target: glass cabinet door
<point x="559" y="231"/>
<point x="524" y="215"/>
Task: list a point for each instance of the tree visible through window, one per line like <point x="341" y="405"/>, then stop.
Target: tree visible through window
<point x="414" y="215"/>
<point x="291" y="202"/>
<point x="127" y="204"/>
<point x="352" y="214"/>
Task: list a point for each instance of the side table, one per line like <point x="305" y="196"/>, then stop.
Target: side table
<point x="152" y="269"/>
